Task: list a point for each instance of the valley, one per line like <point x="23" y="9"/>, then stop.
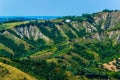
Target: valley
<point x="65" y="48"/>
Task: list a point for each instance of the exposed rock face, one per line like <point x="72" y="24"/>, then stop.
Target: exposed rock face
<point x="108" y="19"/>
<point x="113" y="65"/>
<point x="89" y="27"/>
<point x="103" y="21"/>
<point x="31" y="32"/>
<point x="113" y="34"/>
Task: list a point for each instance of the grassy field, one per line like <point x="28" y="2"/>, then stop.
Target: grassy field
<point x="13" y="73"/>
<point x="5" y="26"/>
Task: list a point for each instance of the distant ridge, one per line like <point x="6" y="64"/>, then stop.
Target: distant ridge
<point x="24" y="18"/>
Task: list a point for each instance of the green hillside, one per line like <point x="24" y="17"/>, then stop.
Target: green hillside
<point x="8" y="72"/>
<point x="61" y="50"/>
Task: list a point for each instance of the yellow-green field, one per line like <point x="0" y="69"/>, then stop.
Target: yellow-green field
<point x="13" y="73"/>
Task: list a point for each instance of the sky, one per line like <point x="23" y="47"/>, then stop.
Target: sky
<point x="55" y="7"/>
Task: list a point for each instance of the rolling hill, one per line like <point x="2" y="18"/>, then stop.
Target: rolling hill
<point x="67" y="48"/>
